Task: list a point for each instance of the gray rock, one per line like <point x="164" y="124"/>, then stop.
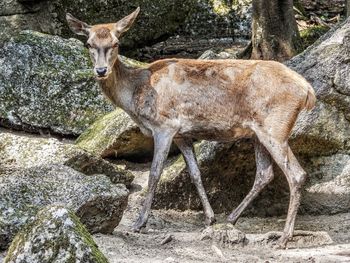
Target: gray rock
<point x="210" y="54"/>
<point x="115" y="134"/>
<point x="25" y="151"/>
<point x="224" y="235"/>
<point x="55" y="235"/>
<point x="325" y="65"/>
<point x="16" y="16"/>
<point x="46" y="83"/>
<point x="300" y="239"/>
<point x="97" y="202"/>
<point x="320" y="140"/>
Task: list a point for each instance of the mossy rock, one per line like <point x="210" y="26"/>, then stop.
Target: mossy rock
<point x="116" y="135"/>
<point x="23" y="151"/>
<point x="55" y="235"/>
<point x="24" y="191"/>
<point x="47" y="83"/>
<point x="310" y="35"/>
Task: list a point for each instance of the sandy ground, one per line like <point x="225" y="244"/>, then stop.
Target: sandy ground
<point x="172" y="236"/>
<point x="322" y="239"/>
<point x="186" y="244"/>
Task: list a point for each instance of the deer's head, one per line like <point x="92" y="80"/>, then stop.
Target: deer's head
<point x="103" y="41"/>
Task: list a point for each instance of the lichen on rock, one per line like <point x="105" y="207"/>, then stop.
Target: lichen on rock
<point x="24" y="191"/>
<point x="55" y="235"/>
<point x="115" y="134"/>
<point x="47" y="83"/>
<point x="24" y="151"/>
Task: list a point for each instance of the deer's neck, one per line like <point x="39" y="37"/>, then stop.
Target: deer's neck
<point x="119" y="87"/>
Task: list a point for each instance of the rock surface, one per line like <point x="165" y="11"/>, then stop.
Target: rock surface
<point x="299" y="239"/>
<point x="320" y="140"/>
<point x="224" y="235"/>
<point x="21" y="151"/>
<point x="325" y="8"/>
<point x="115" y="134"/>
<point x="196" y="18"/>
<point x="47" y="84"/>
<point x="98" y="203"/>
<point x="55" y="235"/>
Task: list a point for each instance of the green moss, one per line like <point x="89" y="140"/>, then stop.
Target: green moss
<point x="133" y="63"/>
<point x="310" y="35"/>
<point x="174" y="169"/>
<point x="87" y="239"/>
<point x="54" y="236"/>
<point x="178" y="165"/>
<point x="116" y="134"/>
<point x="220" y="7"/>
<point x="60" y="78"/>
<point x="92" y="141"/>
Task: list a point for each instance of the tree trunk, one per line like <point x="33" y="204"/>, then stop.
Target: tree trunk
<point x="347" y="8"/>
<point x="275" y="33"/>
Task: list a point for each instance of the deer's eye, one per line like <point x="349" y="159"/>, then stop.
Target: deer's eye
<point x="115" y="45"/>
<point x="87" y="45"/>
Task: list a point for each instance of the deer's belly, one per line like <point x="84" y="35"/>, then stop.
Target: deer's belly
<point x="216" y="133"/>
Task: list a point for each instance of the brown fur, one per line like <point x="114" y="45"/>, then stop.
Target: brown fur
<point x="103" y="33"/>
<point x="244" y="94"/>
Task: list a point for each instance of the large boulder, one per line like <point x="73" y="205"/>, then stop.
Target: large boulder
<point x="55" y="235"/>
<point x="47" y="83"/>
<point x="16" y="16"/>
<point x="24" y="191"/>
<point x="25" y="151"/>
<point x="320" y="141"/>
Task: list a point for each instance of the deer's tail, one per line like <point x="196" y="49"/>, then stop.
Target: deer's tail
<point x="310" y="100"/>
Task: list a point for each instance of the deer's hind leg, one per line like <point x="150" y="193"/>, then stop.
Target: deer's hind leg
<point x="285" y="159"/>
<point x="264" y="175"/>
<point x="186" y="148"/>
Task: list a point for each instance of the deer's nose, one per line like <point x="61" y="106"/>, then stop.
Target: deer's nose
<point x="101" y="71"/>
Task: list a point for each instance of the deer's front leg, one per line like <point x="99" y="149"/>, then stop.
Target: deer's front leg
<point x="162" y="143"/>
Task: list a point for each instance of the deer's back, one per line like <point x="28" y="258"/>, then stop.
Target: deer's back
<point x="208" y="98"/>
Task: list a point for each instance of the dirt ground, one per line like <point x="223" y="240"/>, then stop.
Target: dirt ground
<point x="172" y="236"/>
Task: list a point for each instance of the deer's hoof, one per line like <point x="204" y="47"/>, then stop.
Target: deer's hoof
<point x="135" y="229"/>
<point x="138" y="226"/>
<point x="282" y="242"/>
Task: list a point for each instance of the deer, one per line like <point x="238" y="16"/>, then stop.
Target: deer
<point x="183" y="100"/>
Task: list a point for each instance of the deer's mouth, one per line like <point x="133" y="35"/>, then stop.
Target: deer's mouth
<point x="102" y="77"/>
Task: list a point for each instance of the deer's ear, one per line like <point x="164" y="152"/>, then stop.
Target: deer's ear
<point x="124" y="24"/>
<point x="77" y="26"/>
